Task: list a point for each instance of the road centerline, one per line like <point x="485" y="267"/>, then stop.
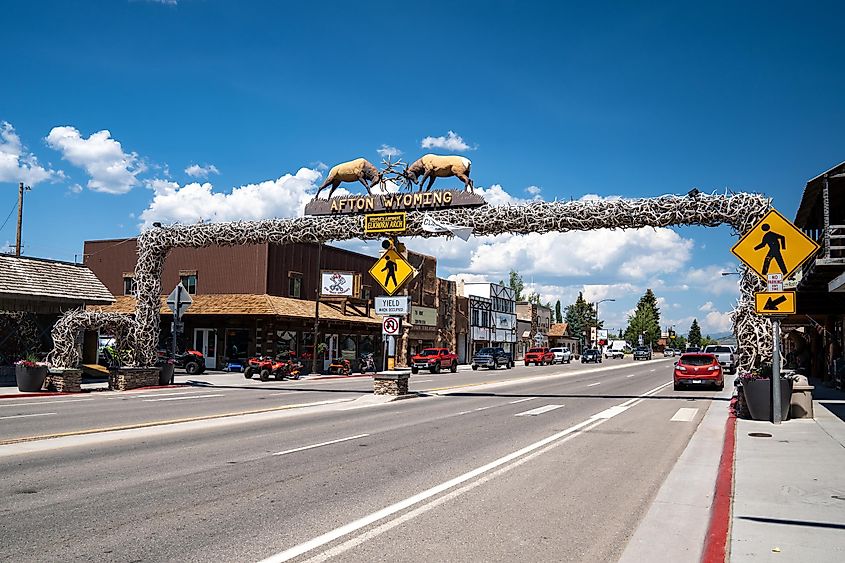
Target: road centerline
<point x="539" y="410"/>
<point x="321" y="444"/>
<point x="27" y="415"/>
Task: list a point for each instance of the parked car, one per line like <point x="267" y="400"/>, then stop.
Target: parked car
<point x="698" y="369"/>
<point x="642" y="353"/>
<point x="591" y="355"/>
<point x="692" y="349"/>
<point x="539" y="356"/>
<point x="562" y="355"/>
<point x="491" y="358"/>
<point x="613" y="353"/>
<point x="434" y="359"/>
<point x="668" y="353"/>
<point x="725" y="355"/>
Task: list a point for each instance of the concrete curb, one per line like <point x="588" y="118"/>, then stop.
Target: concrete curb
<point x="718" y="532"/>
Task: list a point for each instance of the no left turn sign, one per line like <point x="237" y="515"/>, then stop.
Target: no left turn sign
<point x="390" y="326"/>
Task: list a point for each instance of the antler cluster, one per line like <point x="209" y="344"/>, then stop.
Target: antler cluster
<point x="395" y="171"/>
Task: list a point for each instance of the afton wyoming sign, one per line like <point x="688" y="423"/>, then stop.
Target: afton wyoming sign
<point x="400" y="201"/>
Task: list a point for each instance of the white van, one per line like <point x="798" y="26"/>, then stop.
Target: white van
<point x="615" y="349"/>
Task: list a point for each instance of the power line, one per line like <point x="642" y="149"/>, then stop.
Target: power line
<point x="14" y="205"/>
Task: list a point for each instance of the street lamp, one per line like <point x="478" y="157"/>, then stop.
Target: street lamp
<point x="597" y="314"/>
<point x="731" y="274"/>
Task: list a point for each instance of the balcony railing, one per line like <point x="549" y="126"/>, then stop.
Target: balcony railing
<point x="831" y="240"/>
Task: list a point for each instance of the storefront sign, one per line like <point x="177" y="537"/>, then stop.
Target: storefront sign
<point x="387" y="306"/>
<point x="385" y="222"/>
<point x="339" y="284"/>
<point x="424" y="316"/>
<point x="405" y="201"/>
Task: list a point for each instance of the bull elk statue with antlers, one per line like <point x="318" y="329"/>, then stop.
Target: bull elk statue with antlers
<point x="433" y="166"/>
<point x="358" y="170"/>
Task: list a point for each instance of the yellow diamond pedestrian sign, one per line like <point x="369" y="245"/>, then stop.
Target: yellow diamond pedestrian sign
<point x="391" y="271"/>
<point x="774" y="245"/>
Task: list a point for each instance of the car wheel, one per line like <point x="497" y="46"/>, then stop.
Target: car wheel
<point x="192" y="368"/>
<point x="415" y="371"/>
<point x="677" y="386"/>
<point x="435" y="368"/>
<point x="264" y="375"/>
<point x="474" y="367"/>
<point x="454" y="367"/>
<point x="510" y="365"/>
<point x="249" y="372"/>
<point x="495" y="365"/>
<point x="527" y="364"/>
<point x="721" y="385"/>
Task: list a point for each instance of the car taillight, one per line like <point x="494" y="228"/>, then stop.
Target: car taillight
<point x="714" y="368"/>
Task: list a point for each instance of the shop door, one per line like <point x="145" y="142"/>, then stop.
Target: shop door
<point x="205" y="341"/>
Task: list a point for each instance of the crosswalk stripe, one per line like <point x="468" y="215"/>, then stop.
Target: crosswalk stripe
<point x="684" y="415"/>
<point x="539" y="410"/>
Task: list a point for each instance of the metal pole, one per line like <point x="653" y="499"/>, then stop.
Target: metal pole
<point x="20" y="220"/>
<point x="175" y="330"/>
<point x="317" y="309"/>
<point x="776" y="399"/>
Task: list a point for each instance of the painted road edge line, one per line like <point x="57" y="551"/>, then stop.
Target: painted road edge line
<point x="27" y="415"/>
<point x="58" y="402"/>
<point x="321" y="444"/>
<point x="718" y="529"/>
<point x="373" y="517"/>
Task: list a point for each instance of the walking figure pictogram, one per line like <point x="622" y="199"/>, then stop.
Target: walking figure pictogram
<point x="776" y="243"/>
<point x="390" y="268"/>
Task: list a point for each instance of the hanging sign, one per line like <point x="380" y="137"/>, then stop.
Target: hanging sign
<point x="385" y="222"/>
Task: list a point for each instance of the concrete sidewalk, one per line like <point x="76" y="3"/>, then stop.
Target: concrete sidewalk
<point x="789" y="489"/>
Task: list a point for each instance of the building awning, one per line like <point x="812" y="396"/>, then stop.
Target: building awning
<point x="250" y="305"/>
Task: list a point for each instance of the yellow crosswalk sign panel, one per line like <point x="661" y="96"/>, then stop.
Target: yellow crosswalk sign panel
<point x="774" y="245"/>
<point x="391" y="271"/>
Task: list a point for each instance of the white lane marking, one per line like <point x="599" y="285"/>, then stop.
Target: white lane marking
<point x="522" y="400"/>
<point x="684" y="415"/>
<point x="26" y="415"/>
<point x="285" y="393"/>
<point x="594" y="384"/>
<point x="632" y="375"/>
<point x="539" y="410"/>
<point x="611" y="412"/>
<point x="422" y="380"/>
<point x="652" y="370"/>
<point x="146" y="395"/>
<point x="356" y="525"/>
<point x="54" y="402"/>
<point x="312" y="446"/>
<point x="485" y="408"/>
<point x="183" y="398"/>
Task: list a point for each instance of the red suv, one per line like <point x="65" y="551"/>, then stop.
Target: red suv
<point x="539" y="356"/>
<point x="698" y="369"/>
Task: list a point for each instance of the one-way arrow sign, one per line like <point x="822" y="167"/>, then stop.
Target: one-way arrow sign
<point x="775" y="302"/>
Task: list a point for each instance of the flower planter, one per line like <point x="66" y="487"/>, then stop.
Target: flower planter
<point x="165" y="374"/>
<point x="30" y="379"/>
<point x="758" y="398"/>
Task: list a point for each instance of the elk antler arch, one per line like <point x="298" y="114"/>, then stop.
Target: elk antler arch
<point x="741" y="211"/>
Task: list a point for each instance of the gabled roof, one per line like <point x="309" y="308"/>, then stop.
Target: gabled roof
<point x="38" y="279"/>
<point x="250" y="304"/>
<point x="558" y="330"/>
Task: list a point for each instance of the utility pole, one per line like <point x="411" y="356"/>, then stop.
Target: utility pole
<point x="317" y="308"/>
<point x="21" y="189"/>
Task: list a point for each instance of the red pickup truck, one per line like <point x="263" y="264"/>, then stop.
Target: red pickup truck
<point x="539" y="356"/>
<point x="434" y="359"/>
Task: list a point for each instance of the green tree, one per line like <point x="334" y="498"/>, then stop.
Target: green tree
<point x="558" y="312"/>
<point x="645" y="321"/>
<point x="580" y="316"/>
<point x="694" y="336"/>
<point x="534" y="298"/>
<point x="680" y="343"/>
<point x="516" y="284"/>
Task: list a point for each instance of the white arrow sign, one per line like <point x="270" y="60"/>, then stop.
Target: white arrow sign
<point x="432" y="225"/>
<point x="179" y="300"/>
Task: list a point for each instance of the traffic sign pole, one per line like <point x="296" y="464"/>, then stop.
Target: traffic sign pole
<point x="175" y="332"/>
<point x="776" y="398"/>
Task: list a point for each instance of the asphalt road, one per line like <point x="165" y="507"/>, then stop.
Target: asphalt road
<point x="560" y="467"/>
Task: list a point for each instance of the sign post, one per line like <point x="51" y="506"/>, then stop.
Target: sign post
<point x="179" y="301"/>
<point x="774" y="242"/>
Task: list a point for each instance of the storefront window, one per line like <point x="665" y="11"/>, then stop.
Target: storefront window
<point x="237" y="343"/>
<point x="348" y="347"/>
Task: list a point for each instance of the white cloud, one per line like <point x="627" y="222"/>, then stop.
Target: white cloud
<point x="451" y="142"/>
<point x="709" y="279"/>
<point x="197" y="171"/>
<point x="386" y="151"/>
<point x="19" y="165"/>
<point x="534" y="191"/>
<point x="111" y="170"/>
<point x="283" y="197"/>
<point x="75" y="189"/>
<point x="707" y="307"/>
<point x="716" y="321"/>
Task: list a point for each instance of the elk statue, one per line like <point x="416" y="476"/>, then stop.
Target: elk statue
<point x="433" y="166"/>
<point x="358" y="170"/>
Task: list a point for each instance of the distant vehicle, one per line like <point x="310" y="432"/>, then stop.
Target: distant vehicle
<point x="591" y="356"/>
<point x="642" y="353"/>
<point x="562" y="355"/>
<point x="539" y="356"/>
<point x="698" y="369"/>
<point x="692" y="350"/>
<point x="668" y="353"/>
<point x="192" y="361"/>
<point x="615" y="349"/>
<point x="434" y="359"/>
<point x="491" y="358"/>
<point x="725" y="355"/>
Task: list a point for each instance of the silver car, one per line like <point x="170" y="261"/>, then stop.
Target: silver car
<point x="562" y="355"/>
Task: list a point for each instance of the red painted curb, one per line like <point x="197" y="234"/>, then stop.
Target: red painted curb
<point x="36" y="394"/>
<point x="718" y="530"/>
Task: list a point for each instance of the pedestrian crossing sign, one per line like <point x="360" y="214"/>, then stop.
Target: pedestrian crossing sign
<point x="774" y="245"/>
<point x="391" y="271"/>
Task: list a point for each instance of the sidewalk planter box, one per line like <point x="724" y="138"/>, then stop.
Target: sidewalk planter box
<point x="165" y="375"/>
<point x="123" y="379"/>
<point x="30" y="379"/>
<point x="64" y="380"/>
<point x="391" y="383"/>
<point x="758" y="398"/>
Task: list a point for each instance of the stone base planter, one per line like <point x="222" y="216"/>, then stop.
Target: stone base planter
<point x="122" y="379"/>
<point x="758" y="398"/>
<point x="30" y="379"/>
<point x="64" y="380"/>
<point x="391" y="383"/>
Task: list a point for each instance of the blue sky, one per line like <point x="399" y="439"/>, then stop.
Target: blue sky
<point x="107" y="104"/>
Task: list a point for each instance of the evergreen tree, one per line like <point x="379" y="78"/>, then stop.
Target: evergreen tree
<point x="534" y="298"/>
<point x="558" y="312"/>
<point x="516" y="284"/>
<point x="580" y="316"/>
<point x="694" y="336"/>
<point x="645" y="321"/>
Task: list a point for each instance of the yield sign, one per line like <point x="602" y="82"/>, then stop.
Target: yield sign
<point x="774" y="245"/>
<point x="775" y="302"/>
<point x="181" y="296"/>
<point x="391" y="271"/>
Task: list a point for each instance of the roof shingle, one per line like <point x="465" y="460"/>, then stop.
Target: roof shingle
<point x="37" y="278"/>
